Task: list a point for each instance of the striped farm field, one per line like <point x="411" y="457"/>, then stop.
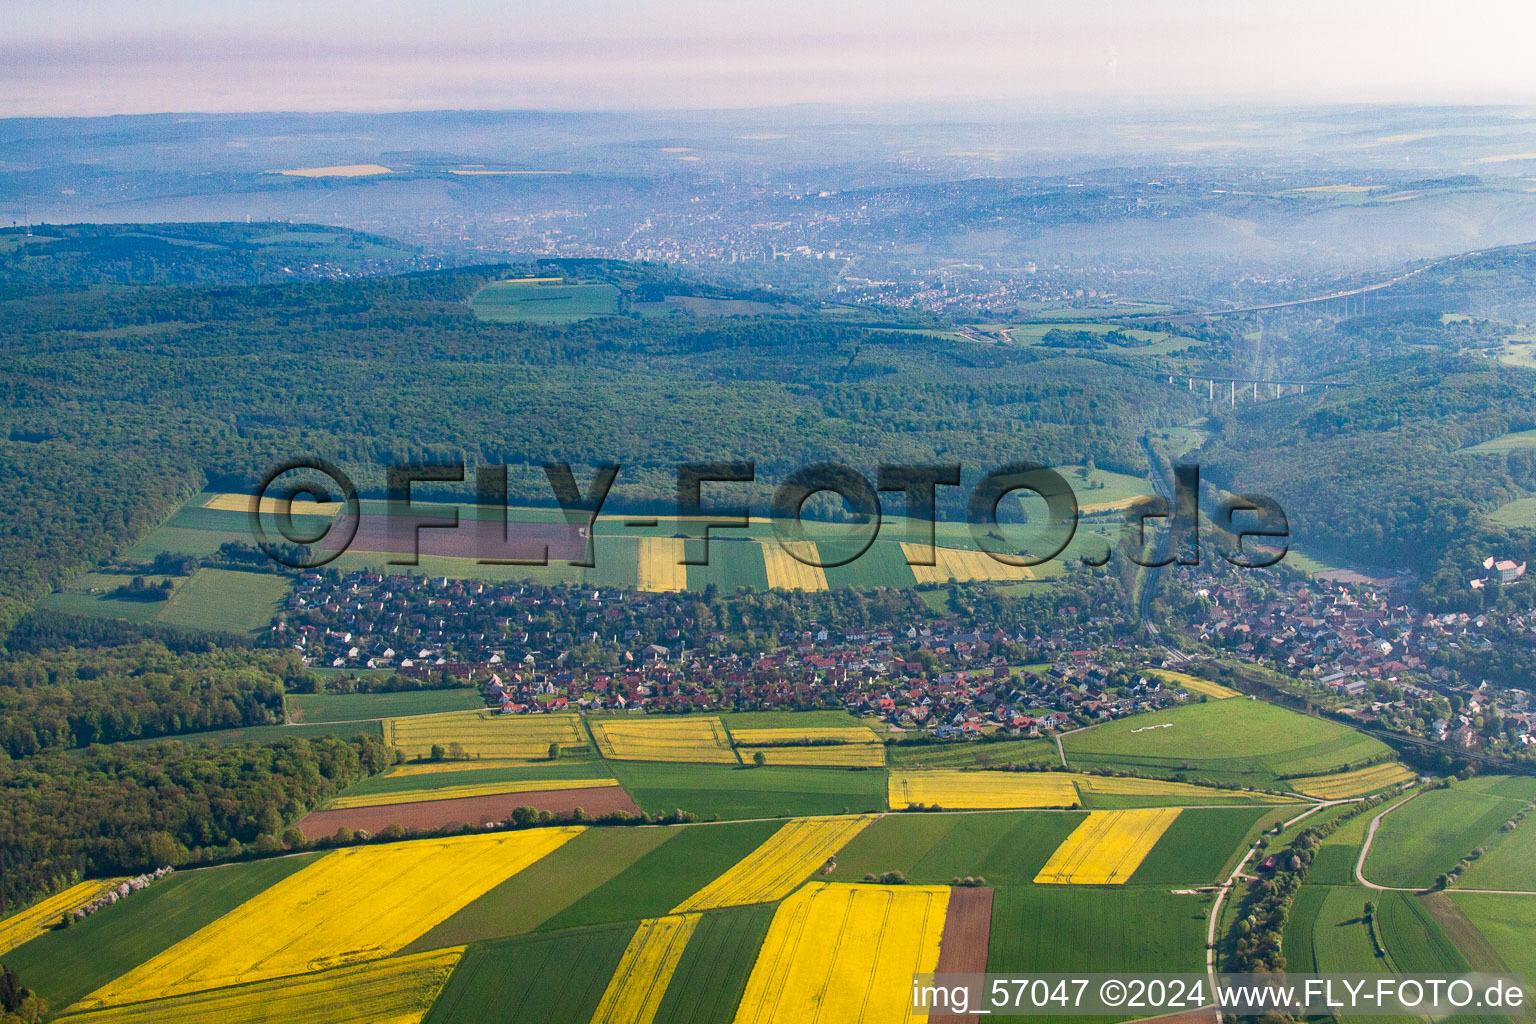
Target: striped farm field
<point x="837" y="755"/>
<point x="786" y="572"/>
<point x="962" y="790"/>
<point x="635" y="990"/>
<point x="839" y="953"/>
<point x="961" y="564"/>
<point x="778" y="737"/>
<point x="21" y="928"/>
<point x="1111" y="785"/>
<point x="663" y="739"/>
<point x="482" y="734"/>
<point x="434" y="768"/>
<point x="659" y="568"/>
<point x="1194" y="684"/>
<point x="1107" y="848"/>
<point x="398" y="990"/>
<point x="457" y="792"/>
<point x="270" y="506"/>
<point x="772" y="870"/>
<point x="355" y="904"/>
<point x="1356" y="783"/>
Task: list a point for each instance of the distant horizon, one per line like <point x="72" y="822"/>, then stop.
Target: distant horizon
<point x="86" y="58"/>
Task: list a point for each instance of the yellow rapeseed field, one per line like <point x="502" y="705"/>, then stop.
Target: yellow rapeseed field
<point x="663" y="739"/>
<point x="355" y="904"/>
<point x="769" y="737"/>
<point x="634" y="992"/>
<point x="843" y="755"/>
<point x="1107" y="848"/>
<point x="1194" y="684"/>
<point x="658" y="567"/>
<point x="961" y="790"/>
<point x="1355" y="783"/>
<point x="841" y="953"/>
<point x="412" y="796"/>
<point x="479" y="764"/>
<point x="781" y="863"/>
<point x="269" y="506"/>
<point x="785" y="572"/>
<point x="961" y="564"/>
<point x="27" y="925"/>
<point x="482" y="733"/>
<point x="399" y="990"/>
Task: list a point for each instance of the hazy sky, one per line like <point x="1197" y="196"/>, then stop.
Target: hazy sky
<point x="99" y="57"/>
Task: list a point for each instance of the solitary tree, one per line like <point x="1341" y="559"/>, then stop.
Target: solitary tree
<point x="759" y="758"/>
<point x="554" y="751"/>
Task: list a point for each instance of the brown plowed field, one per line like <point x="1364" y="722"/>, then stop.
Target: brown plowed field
<point x="963" y="946"/>
<point x="476" y="809"/>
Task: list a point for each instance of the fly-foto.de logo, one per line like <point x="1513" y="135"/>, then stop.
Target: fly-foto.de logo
<point x="307" y="512"/>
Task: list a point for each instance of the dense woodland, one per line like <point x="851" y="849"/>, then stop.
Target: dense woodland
<point x="76" y="697"/>
<point x="124" y="809"/>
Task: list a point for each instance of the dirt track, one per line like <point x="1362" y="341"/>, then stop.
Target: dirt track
<point x="477" y="809"/>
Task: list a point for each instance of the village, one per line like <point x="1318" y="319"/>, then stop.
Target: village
<point x="535" y="649"/>
<point x="1379" y="659"/>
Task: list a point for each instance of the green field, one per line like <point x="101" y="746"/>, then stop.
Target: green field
<point x="91" y="595"/>
<point x="1198" y="845"/>
<point x="711" y="976"/>
<point x="1506" y="923"/>
<point x="1509" y="861"/>
<point x="65" y="965"/>
<point x="665" y="876"/>
<point x="1430" y="833"/>
<point x="1004" y="848"/>
<point x="565" y="768"/>
<point x="1341" y="940"/>
<point x="721" y="791"/>
<point x="319" y="708"/>
<point x="1517" y="441"/>
<point x="545" y="888"/>
<point x="1517" y="514"/>
<point x="540" y="302"/>
<point x="1071" y="928"/>
<point x="1231" y="742"/>
<point x="273" y="733"/>
<point x="224" y="601"/>
<point x="532" y="979"/>
<point x="963" y="754"/>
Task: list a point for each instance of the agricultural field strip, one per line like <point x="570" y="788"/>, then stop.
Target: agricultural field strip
<point x="963" y="564"/>
<point x="398" y="990"/>
<point x="1194" y="684"/>
<point x="483" y="733"/>
<point x="845" y="953"/>
<point x="772" y="870"/>
<point x="786" y="572"/>
<point x="270" y="506"/>
<point x="412" y="796"/>
<point x="1107" y="848"/>
<point x="21" y="928"/>
<point x="824" y="735"/>
<point x="845" y="755"/>
<point x="953" y="789"/>
<point x="634" y="992"/>
<point x="354" y="904"/>
<point x="1355" y="783"/>
<point x="659" y="565"/>
<point x="680" y="739"/>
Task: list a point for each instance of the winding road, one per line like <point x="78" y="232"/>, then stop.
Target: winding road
<point x="1365" y="850"/>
